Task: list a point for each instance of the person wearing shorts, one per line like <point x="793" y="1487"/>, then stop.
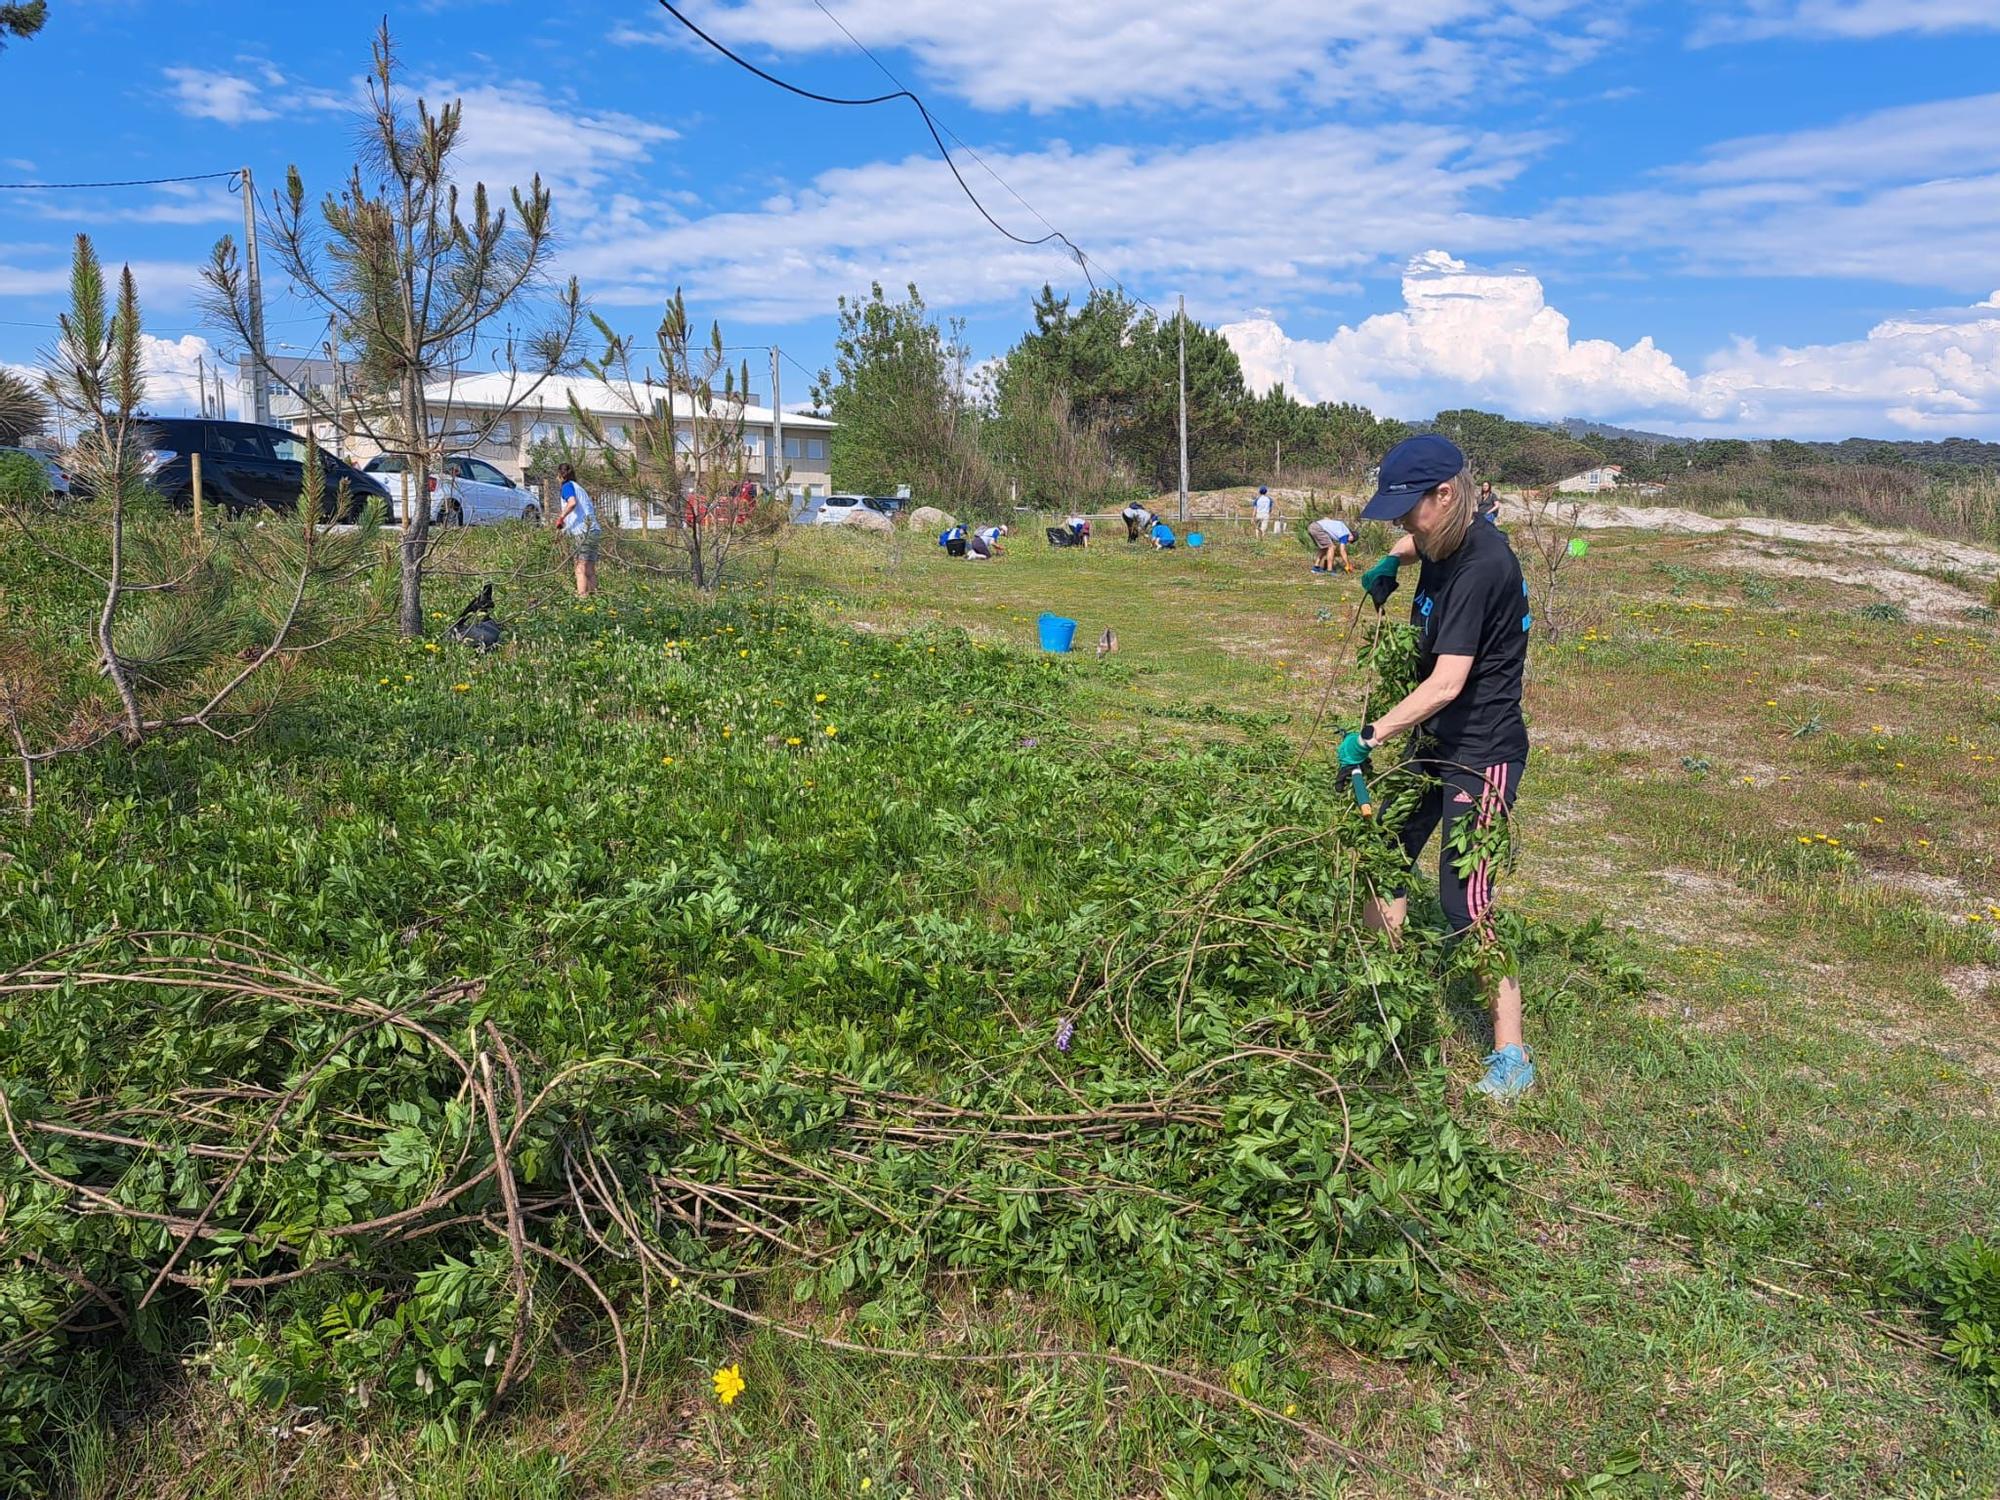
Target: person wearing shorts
<point x="1261" y="508"/>
<point x="1163" y="537"/>
<point x="578" y="520"/>
<point x="1331" y="535"/>
<point x="1471" y="615"/>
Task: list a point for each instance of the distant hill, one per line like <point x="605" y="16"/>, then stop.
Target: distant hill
<point x="1577" y="427"/>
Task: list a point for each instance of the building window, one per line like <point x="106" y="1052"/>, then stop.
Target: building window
<point x="805" y="447"/>
<point x="753" y="445"/>
<point x="503" y="432"/>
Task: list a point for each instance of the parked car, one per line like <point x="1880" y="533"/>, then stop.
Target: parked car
<point x="465" y="491"/>
<point x="58" y="476"/>
<point x="888" y="505"/>
<point x="840" y="510"/>
<point x="245" y="467"/>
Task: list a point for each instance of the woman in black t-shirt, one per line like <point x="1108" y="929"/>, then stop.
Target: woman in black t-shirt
<point x="1472" y="622"/>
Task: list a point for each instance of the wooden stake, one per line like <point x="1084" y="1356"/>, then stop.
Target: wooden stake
<point x="194" y="470"/>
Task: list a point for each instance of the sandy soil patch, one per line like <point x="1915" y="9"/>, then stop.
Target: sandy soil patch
<point x="1924" y="599"/>
<point x="1928" y="551"/>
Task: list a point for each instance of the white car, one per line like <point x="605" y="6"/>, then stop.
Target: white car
<point x="841" y="510"/>
<point x="465" y="491"/>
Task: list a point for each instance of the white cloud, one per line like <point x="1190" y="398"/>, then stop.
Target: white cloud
<point x="1050" y="54"/>
<point x="1266" y="218"/>
<point x="1468" y="338"/>
<point x="1909" y="194"/>
<point x="510" y="133"/>
<point x="1845" y="19"/>
<point x="205" y="94"/>
<point x="1464" y="337"/>
<point x="174" y="372"/>
<point x="174" y="368"/>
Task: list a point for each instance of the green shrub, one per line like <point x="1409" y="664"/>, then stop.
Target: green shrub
<point x="775" y="957"/>
<point x="1958" y="1289"/>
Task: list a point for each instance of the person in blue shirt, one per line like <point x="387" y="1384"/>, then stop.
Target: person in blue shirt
<point x="1163" y="536"/>
<point x="1331" y="535"/>
<point x="952" y="534"/>
<point x="578" y="520"/>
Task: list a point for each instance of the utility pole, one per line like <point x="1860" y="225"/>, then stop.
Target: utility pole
<point x="260" y="381"/>
<point x="201" y="385"/>
<point x="775" y="469"/>
<point x="1180" y="324"/>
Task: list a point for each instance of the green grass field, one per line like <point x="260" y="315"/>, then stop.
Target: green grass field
<point x="1759" y="841"/>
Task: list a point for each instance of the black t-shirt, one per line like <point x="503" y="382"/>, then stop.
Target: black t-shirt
<point x="1475" y="603"/>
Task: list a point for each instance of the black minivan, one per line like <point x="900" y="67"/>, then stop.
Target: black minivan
<point x="247" y="467"/>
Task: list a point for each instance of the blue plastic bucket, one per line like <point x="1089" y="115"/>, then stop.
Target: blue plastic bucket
<point x="1057" y="633"/>
<point x="1194" y="538"/>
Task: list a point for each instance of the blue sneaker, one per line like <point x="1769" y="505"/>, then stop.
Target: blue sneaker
<point x="1510" y="1073"/>
<point x="1318" y="569"/>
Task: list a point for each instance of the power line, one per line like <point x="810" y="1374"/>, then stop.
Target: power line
<point x="127" y="182"/>
<point x="930" y="124"/>
<point x="1083" y="260"/>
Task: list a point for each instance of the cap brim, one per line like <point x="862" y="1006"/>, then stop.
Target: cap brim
<point x="1391" y="505"/>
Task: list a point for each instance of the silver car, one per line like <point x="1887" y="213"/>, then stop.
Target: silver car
<point x="465" y="491"/>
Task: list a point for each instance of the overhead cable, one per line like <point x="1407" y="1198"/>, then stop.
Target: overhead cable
<point x="930" y="124"/>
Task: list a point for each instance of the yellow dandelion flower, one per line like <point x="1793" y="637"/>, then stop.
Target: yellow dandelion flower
<point x="408" y="678"/>
<point x="1923" y="843"/>
<point x="1833" y="843"/>
<point x="743" y="653"/>
<point x="794" y="740"/>
<point x="819" y="697"/>
<point x="430" y="645"/>
<point x="666" y="760"/>
<point x="728" y="1383"/>
<point x="1874" y="820"/>
<point x="1805" y="838"/>
<point x="832" y="730"/>
<point x="461" y="687"/>
<point x="381" y="682"/>
<point x="1770" y="703"/>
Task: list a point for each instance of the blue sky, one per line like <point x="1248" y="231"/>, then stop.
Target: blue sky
<point x="1754" y="217"/>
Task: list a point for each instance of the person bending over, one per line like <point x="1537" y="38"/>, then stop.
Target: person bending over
<point x="1331" y="535"/>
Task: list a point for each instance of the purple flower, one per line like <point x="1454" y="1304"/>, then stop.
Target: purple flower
<point x="1029" y="743"/>
<point x="1064" y="1033"/>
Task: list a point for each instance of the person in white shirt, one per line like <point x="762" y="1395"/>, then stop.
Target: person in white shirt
<point x="1079" y="527"/>
<point x="578" y="521"/>
<point x="1332" y="535"/>
<point x="1262" y="507"/>
<point x="985" y="542"/>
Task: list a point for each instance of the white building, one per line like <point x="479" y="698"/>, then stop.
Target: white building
<point x="778" y="447"/>
<point x="1591" y="481"/>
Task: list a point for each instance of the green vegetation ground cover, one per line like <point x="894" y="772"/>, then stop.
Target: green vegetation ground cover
<point x="1739" y="1123"/>
<point x="849" y="968"/>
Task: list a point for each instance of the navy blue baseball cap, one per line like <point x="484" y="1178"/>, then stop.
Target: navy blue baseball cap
<point x="1413" y="468"/>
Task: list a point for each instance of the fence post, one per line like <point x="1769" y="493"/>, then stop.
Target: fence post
<point x="194" y="473"/>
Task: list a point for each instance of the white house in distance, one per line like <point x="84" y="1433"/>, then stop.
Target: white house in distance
<point x="778" y="447"/>
<point x="1591" y="481"/>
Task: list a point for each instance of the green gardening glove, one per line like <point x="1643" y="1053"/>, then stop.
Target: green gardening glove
<point x="1379" y="582"/>
<point x="1354" y="752"/>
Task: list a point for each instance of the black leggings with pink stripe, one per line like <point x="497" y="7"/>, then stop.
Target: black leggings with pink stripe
<point x="1461" y="790"/>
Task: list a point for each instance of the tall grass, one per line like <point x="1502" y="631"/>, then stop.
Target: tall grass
<point x="1963" y="506"/>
